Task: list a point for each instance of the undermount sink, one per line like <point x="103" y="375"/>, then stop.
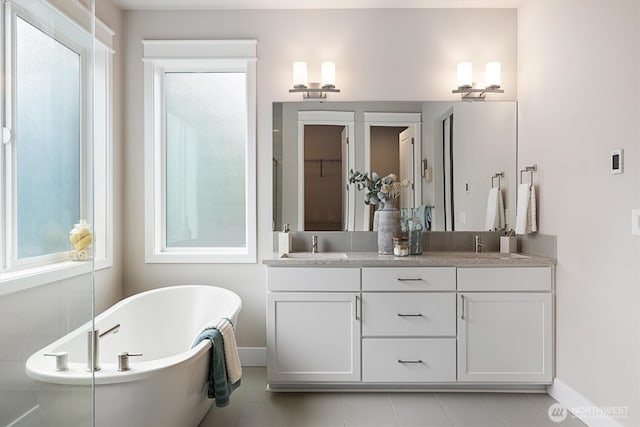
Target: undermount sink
<point x="519" y="256"/>
<point x="494" y="255"/>
<point x="319" y="255"/>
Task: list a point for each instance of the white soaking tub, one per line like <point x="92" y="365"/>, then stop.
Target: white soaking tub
<point x="166" y="386"/>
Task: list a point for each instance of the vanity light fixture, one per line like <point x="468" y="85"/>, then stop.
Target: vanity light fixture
<point x="314" y="91"/>
<point x="465" y="79"/>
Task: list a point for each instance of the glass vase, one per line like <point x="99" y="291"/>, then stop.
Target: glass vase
<point x="414" y="233"/>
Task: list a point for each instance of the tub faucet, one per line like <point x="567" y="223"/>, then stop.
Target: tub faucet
<point x="478" y="246"/>
<point x="314" y="244"/>
<point x="93" y="346"/>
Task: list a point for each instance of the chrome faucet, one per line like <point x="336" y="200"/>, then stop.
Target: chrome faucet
<point x="93" y="346"/>
<point x="478" y="245"/>
<point x="314" y="244"/>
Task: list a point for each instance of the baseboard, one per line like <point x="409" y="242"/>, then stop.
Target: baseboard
<point x="583" y="408"/>
<point x="253" y="356"/>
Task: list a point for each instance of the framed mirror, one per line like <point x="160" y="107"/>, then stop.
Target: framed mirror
<point x="453" y="153"/>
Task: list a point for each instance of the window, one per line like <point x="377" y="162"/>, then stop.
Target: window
<point x="200" y="151"/>
<point x="48" y="142"/>
<point x="55" y="159"/>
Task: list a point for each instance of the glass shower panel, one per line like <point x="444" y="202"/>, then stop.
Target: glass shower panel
<point x="46" y="110"/>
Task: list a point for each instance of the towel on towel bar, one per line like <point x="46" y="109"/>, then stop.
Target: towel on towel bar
<point x="495" y="210"/>
<point x="526" y="211"/>
<point x="220" y="385"/>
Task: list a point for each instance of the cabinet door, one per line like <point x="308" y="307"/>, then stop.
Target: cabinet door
<point x="313" y="337"/>
<point x="505" y="337"/>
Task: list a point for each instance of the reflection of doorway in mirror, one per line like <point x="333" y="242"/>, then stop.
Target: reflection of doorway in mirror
<point x="406" y="155"/>
<point x="402" y="131"/>
<point x="387" y="149"/>
<point x="324" y="177"/>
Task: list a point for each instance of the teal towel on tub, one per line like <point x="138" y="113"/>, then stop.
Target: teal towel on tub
<point x="219" y="387"/>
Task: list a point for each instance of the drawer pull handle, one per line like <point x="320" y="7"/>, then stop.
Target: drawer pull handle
<point x="410" y="279"/>
<point x="410" y="315"/>
<point x="409" y="361"/>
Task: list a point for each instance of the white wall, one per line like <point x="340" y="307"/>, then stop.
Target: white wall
<point x="578" y="92"/>
<point x="408" y="55"/>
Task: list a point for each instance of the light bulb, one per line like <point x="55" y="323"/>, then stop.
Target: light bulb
<point x="328" y="72"/>
<point x="492" y="75"/>
<point x="300" y="74"/>
<point x="465" y="75"/>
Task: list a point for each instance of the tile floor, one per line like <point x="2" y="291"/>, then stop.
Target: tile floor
<point x="252" y="406"/>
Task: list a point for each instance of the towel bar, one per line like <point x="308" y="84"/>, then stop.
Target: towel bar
<point x="529" y="169"/>
<point x="497" y="175"/>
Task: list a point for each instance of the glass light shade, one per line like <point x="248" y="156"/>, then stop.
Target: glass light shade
<point x="328" y="74"/>
<point x="465" y="75"/>
<point x="300" y="74"/>
<point x="492" y="75"/>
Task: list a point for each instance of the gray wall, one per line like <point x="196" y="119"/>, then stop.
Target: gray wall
<point x="565" y="47"/>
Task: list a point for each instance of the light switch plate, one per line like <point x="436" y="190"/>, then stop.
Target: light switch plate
<point x="635" y="222"/>
<point x="617" y="161"/>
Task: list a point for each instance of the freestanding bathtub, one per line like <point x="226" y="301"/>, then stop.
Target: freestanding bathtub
<point x="166" y="386"/>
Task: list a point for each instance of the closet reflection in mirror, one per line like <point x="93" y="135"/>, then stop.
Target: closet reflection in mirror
<point x="325" y="175"/>
<point x="457" y="148"/>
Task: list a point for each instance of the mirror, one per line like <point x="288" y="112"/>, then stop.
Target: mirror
<point x="453" y="154"/>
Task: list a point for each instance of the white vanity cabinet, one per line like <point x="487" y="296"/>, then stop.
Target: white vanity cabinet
<point x="408" y="324"/>
<point x="505" y="318"/>
<point x="370" y="323"/>
<point x="313" y="325"/>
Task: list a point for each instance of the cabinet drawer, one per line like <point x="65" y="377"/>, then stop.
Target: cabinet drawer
<point x="409" y="360"/>
<point x="504" y="279"/>
<point x="313" y="279"/>
<point x="409" y="314"/>
<point x="407" y="279"/>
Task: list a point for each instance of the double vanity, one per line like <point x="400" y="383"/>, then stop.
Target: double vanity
<point x="441" y="320"/>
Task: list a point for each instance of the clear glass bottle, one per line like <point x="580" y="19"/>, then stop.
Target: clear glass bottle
<point x="405" y="216"/>
<point x="400" y="246"/>
<point x="81" y="242"/>
<point x="414" y="233"/>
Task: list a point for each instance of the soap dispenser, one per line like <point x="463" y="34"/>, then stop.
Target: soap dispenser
<point x="284" y="241"/>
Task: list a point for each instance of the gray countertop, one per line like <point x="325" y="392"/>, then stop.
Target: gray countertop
<point x="427" y="259"/>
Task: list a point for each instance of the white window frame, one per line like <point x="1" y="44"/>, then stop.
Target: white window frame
<point x="68" y="27"/>
<point x="160" y="57"/>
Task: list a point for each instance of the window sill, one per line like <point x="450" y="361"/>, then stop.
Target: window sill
<point x="27" y="278"/>
<point x="241" y="256"/>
